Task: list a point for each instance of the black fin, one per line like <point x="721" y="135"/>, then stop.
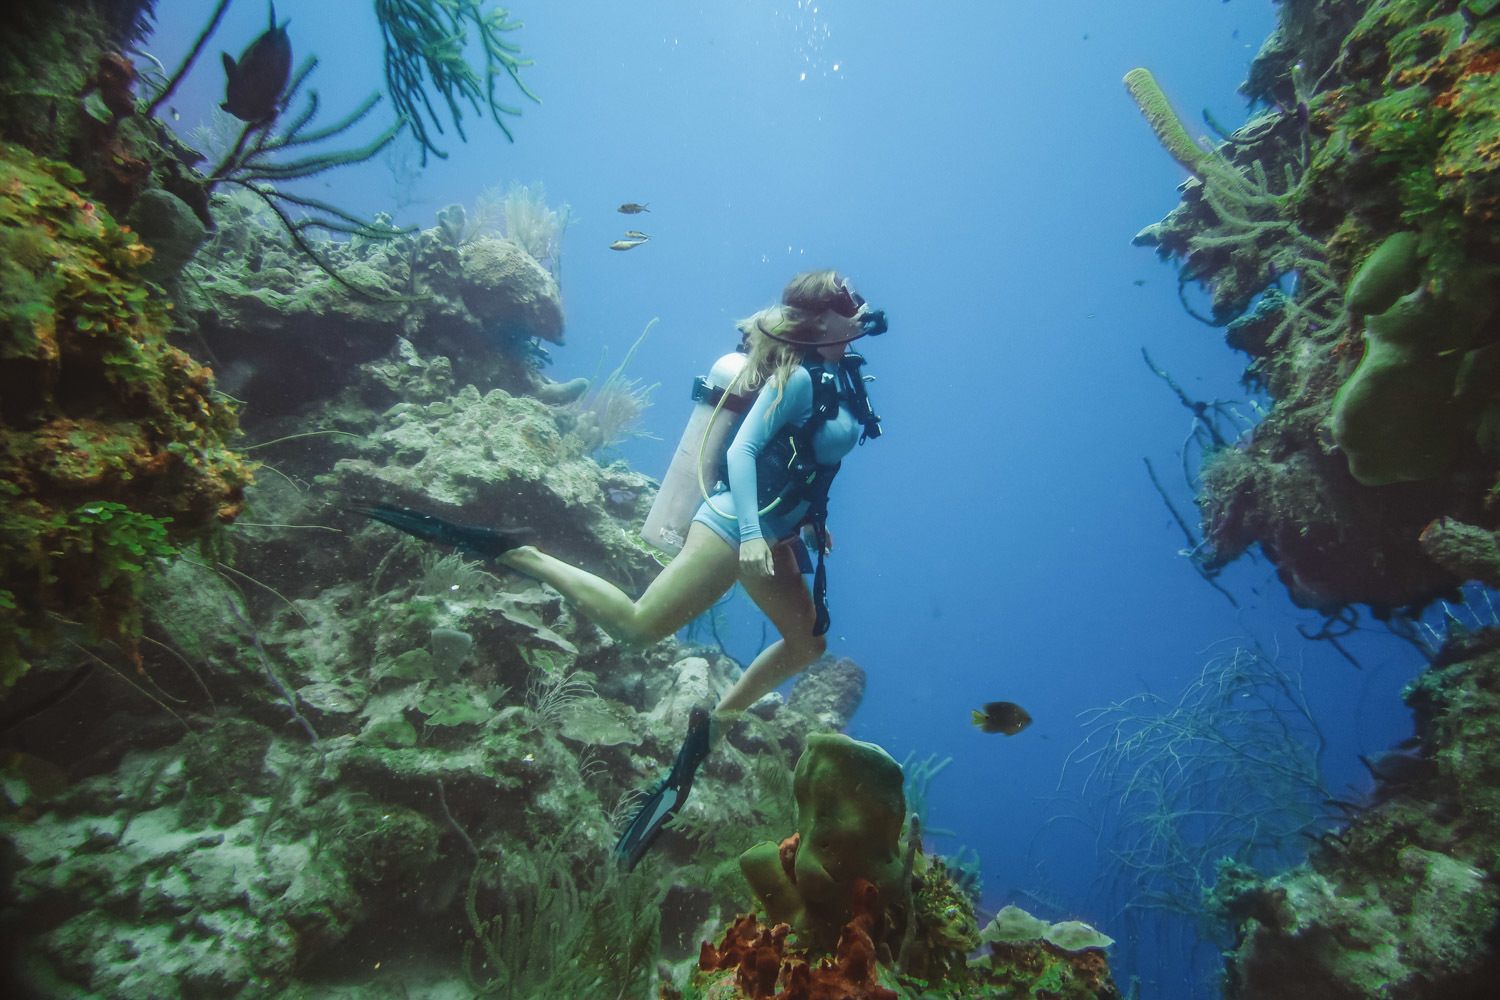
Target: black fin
<point x="662" y="804"/>
<point x="485" y="543"/>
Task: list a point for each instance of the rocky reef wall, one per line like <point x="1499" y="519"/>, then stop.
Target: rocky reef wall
<point x="1346" y="239"/>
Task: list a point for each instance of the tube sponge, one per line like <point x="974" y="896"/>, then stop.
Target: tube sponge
<point x="1170" y="131"/>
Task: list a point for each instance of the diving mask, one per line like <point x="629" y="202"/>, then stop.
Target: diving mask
<point x="847" y="318"/>
<point x="851" y="305"/>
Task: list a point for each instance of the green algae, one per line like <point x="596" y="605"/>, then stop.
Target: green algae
<point x="113" y="452"/>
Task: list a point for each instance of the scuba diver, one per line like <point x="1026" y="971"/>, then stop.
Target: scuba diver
<point x="809" y="410"/>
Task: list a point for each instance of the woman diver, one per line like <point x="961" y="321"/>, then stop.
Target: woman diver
<point x="809" y="411"/>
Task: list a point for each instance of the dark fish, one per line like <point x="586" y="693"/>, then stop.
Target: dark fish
<point x="1002" y="717"/>
<point x="631" y="208"/>
<point x="253" y="93"/>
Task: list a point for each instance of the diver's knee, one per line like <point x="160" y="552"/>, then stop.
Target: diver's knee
<point x="631" y="636"/>
<point x="638" y="634"/>
<point x="806" y="649"/>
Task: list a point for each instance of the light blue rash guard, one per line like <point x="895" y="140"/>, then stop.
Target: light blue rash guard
<point x="768" y="417"/>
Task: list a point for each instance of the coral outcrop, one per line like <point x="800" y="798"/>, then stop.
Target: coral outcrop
<point x="760" y="961"/>
<point x="851" y="913"/>
<point x="1401" y="903"/>
<point x="1346" y="237"/>
<point x="113" y="446"/>
<point x="1058" y="961"/>
<point x="1347" y="241"/>
<point x="850" y="813"/>
<point x="285" y="331"/>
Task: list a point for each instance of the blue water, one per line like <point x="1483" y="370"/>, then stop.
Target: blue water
<point x="979" y="171"/>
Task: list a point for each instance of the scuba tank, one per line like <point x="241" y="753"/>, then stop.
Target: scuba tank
<point x="699" y="457"/>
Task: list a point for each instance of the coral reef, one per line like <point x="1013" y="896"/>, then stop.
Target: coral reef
<point x="285" y="332"/>
<point x="1026" y="958"/>
<point x="1347" y="241"/>
<point x="1403" y="901"/>
<point x="67" y="94"/>
<point x="759" y="961"/>
<point x="112" y="445"/>
<point x="326" y="730"/>
<point x="520" y="214"/>
<point x="444" y="452"/>
<point x="281" y="751"/>
<point x="1032" y="958"/>
<point x="849" y="913"/>
<point x="944" y="927"/>
<point x="341" y="727"/>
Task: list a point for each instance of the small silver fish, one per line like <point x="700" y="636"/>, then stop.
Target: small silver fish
<point x="625" y="244"/>
<point x="636" y="234"/>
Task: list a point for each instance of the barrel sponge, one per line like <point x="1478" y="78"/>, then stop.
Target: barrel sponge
<point x="850" y="810"/>
<point x="1392" y="270"/>
<point x="1395" y="418"/>
<point x="1170" y="131"/>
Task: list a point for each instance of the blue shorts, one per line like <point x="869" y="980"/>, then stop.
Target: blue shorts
<point x="776" y="530"/>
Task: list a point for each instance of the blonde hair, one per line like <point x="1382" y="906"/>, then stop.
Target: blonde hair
<point x="771" y="359"/>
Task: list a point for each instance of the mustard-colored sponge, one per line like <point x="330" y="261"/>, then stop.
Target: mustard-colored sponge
<point x="850" y="810"/>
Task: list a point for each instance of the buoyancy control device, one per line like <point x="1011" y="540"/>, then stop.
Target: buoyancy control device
<point x="788" y="473"/>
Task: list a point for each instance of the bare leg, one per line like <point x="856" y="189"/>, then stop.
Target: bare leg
<point x="700" y="574"/>
<point x="785" y="600"/>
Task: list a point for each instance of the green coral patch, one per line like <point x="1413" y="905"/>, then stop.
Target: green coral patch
<point x="1387" y="274"/>
<point x="112" y="446"/>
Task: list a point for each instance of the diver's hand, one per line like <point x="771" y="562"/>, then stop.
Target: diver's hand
<point x="755" y="558"/>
